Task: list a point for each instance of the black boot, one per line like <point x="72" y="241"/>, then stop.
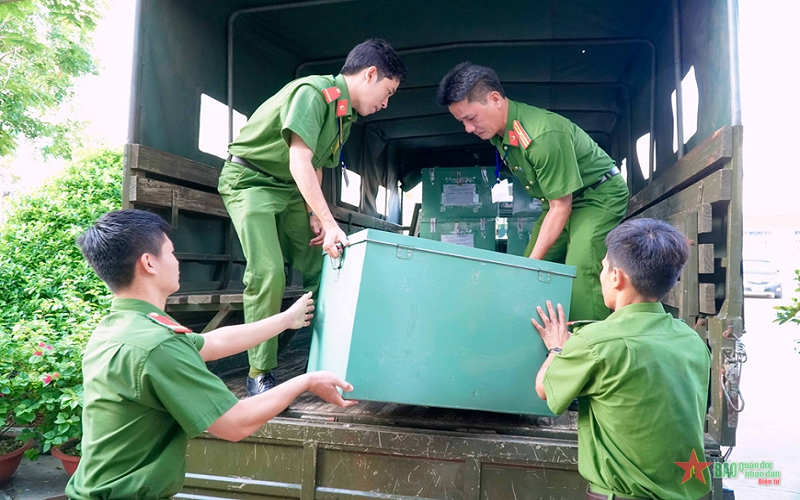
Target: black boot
<point x="261" y="383"/>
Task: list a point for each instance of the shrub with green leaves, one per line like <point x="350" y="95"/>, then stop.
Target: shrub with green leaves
<point x="42" y="273"/>
<point x="42" y="382"/>
<point x="790" y="313"/>
<point x="50" y="296"/>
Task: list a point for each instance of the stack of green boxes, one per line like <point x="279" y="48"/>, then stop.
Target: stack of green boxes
<point x="457" y="206"/>
<point x="526" y="211"/>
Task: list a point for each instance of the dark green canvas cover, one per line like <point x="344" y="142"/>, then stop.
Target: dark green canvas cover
<point x="608" y="66"/>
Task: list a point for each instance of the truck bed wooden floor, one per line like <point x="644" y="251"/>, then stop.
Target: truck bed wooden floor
<point x="292" y="362"/>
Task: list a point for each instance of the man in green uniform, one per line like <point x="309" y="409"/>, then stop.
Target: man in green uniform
<point x="271" y="181"/>
<point x="641" y="376"/>
<point x="146" y="386"/>
<point x="582" y="195"/>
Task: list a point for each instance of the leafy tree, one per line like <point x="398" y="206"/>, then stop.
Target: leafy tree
<point x="44" y="47"/>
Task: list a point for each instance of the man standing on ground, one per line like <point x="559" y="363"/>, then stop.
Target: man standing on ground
<point x="641" y="376"/>
<point x="271" y="181"/>
<point x="146" y="386"/>
<point x="582" y="195"/>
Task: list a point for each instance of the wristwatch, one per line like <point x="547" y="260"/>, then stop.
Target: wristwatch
<point x="556" y="350"/>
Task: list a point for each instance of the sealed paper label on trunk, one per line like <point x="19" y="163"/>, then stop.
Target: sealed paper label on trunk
<point x="454" y="195"/>
<point x="465" y="240"/>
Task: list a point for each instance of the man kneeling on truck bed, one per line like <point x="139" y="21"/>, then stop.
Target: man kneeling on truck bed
<point x="146" y="386"/>
<point x="640" y="376"/>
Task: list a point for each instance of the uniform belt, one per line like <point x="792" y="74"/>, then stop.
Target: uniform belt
<point x="596" y="493"/>
<point x="606" y="176"/>
<point x="244" y="163"/>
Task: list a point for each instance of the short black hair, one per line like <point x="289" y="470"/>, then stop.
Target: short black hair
<point x="468" y="81"/>
<point x="116" y="241"/>
<point x="651" y="252"/>
<point x="375" y="52"/>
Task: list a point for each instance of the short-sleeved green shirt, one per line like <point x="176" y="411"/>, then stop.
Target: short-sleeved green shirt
<point x="146" y="391"/>
<point x="641" y="379"/>
<point x="560" y="159"/>
<point x="299" y="107"/>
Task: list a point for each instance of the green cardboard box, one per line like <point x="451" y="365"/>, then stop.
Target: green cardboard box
<point x="456" y="193"/>
<point x="519" y="233"/>
<point x="471" y="232"/>
<point x="524" y="205"/>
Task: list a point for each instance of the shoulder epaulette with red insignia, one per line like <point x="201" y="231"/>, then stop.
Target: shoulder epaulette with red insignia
<point x="522" y="136"/>
<point x="331" y="94"/>
<point x="574" y="326"/>
<point x="168" y="323"/>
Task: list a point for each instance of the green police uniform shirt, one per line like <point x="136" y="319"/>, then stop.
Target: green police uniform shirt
<point x="146" y="392"/>
<point x="299" y="107"/>
<point x="553" y="156"/>
<point x="641" y="379"/>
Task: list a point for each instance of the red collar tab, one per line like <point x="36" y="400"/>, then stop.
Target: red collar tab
<point x="168" y="323"/>
<point x="331" y="94"/>
<point x="512" y="138"/>
<point x="341" y="108"/>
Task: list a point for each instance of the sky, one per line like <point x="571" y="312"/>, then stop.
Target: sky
<point x="769" y="72"/>
<point x="769" y="51"/>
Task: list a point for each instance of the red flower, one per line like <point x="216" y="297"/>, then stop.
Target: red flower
<point x="56" y="375"/>
<point x="48" y="347"/>
<point x="37" y="353"/>
<point x="47" y="379"/>
<point x="41" y="344"/>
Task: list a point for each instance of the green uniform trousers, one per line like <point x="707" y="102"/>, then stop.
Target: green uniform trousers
<point x="583" y="244"/>
<point x="270" y="217"/>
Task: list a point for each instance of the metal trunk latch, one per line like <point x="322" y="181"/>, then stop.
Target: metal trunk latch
<point x="404" y="252"/>
<point x="544" y="276"/>
<point x="337" y="263"/>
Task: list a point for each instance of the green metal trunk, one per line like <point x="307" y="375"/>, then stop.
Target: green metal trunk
<point x="456" y="193"/>
<point x="414" y="321"/>
<point x="467" y="232"/>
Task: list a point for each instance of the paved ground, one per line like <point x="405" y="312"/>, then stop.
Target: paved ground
<point x="768" y="428"/>
<point x="39" y="480"/>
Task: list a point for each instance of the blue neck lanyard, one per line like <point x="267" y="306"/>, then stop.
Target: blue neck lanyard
<point x="499" y="163"/>
<point x="341" y="152"/>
